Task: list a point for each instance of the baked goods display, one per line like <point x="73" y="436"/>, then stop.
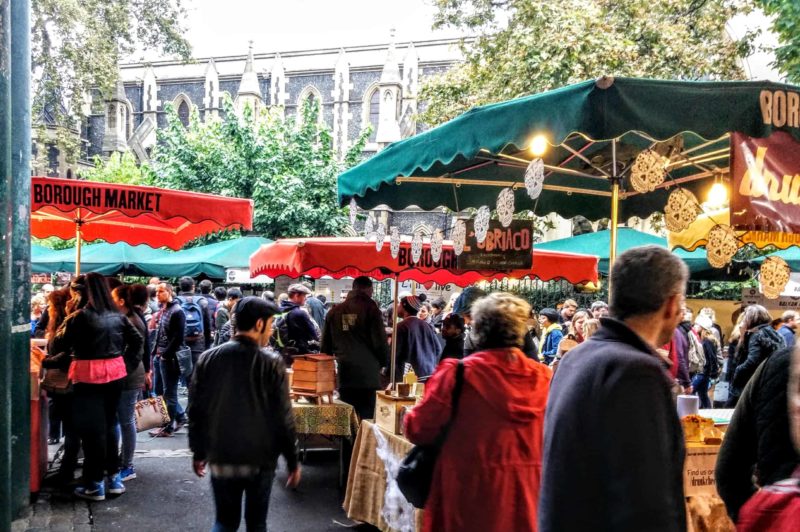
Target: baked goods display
<point x="701" y="429"/>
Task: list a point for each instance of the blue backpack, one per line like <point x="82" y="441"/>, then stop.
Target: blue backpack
<point x="194" y="316"/>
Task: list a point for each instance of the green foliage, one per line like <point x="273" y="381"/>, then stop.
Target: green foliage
<point x="119" y="168"/>
<point x="287" y="166"/>
<point x="786" y="25"/>
<point x="525" y="47"/>
<point x="76" y="45"/>
<point x="54" y="242"/>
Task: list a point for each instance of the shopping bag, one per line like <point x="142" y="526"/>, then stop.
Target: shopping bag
<point x="151" y="413"/>
<point x="721" y="392"/>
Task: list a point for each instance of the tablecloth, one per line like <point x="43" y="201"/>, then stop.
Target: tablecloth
<point x="335" y="419"/>
<point x="366" y="484"/>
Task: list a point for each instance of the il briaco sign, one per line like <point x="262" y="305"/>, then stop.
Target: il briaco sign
<point x="504" y="249"/>
<point x="766" y="182"/>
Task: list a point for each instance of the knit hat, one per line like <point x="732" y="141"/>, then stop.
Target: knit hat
<point x="705" y="322"/>
<point x="470" y="295"/>
<point x="413" y="303"/>
<point x="549" y="313"/>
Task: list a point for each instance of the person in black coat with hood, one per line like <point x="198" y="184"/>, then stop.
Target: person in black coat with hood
<point x="758" y="342"/>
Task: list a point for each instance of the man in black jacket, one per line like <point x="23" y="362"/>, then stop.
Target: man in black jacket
<point x="168" y="339"/>
<point x="757" y="442"/>
<point x="242" y="418"/>
<point x="613" y="444"/>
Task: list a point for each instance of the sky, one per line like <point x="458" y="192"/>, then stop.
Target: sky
<point x="224" y="27"/>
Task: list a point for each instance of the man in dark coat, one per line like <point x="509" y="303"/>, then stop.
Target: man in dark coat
<point x="417" y="342"/>
<point x="355" y="334"/>
<point x="242" y="418"/>
<point x="757" y="442"/>
<point x="613" y="445"/>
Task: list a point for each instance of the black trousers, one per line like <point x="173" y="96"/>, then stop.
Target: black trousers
<point x="362" y="400"/>
<point x="228" y="501"/>
<point x="95" y="415"/>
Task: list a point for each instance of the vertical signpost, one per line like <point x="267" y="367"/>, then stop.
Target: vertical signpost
<point x="6" y="207"/>
<point x="21" y="256"/>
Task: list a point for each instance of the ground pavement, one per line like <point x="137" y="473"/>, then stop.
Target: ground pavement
<point x="167" y="496"/>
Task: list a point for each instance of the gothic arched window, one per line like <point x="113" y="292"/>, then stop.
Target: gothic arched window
<point x="374" y="113"/>
<point x="183" y="113"/>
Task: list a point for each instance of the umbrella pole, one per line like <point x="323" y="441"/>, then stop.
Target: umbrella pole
<point x="78" y="239"/>
<point x="394" y="329"/>
<point x="612" y="252"/>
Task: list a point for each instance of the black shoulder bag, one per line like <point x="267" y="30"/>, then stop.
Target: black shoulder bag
<point x="416" y="472"/>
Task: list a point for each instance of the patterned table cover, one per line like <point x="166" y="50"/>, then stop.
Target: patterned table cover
<point x="335" y="419"/>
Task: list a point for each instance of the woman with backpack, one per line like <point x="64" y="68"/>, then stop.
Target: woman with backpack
<point x="712" y="355"/>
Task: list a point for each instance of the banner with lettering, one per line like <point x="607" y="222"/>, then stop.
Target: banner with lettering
<point x="133" y="214"/>
<point x="504" y="249"/>
<point x="766" y="183"/>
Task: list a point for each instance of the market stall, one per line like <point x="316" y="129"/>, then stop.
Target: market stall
<point x="403" y="259"/>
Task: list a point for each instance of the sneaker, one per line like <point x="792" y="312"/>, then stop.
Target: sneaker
<point x="115" y="485"/>
<point x="91" y="491"/>
<point x="127" y="473"/>
<point x="180" y="424"/>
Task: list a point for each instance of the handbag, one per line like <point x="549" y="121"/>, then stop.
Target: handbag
<point x="184" y="355"/>
<point x="151" y="413"/>
<point x="416" y="471"/>
<point x="55" y="381"/>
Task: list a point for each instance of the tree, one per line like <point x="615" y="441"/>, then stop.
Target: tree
<point x="523" y="47"/>
<point x="786" y="25"/>
<point x="76" y="46"/>
<point x="288" y="166"/>
<point x="119" y="168"/>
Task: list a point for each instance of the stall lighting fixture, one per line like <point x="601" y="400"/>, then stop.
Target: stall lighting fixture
<point x="717" y="195"/>
<point x="538" y="145"/>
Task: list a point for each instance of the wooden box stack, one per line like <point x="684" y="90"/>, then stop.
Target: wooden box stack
<point x="314" y="375"/>
<point x="388" y="411"/>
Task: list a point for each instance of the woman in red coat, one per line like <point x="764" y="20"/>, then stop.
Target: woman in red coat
<point x="487" y="475"/>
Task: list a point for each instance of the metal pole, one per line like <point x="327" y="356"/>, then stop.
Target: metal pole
<point x="6" y="208"/>
<point x="21" y="255"/>
<point x="612" y="252"/>
<point x="394" y="328"/>
<point x="78" y="240"/>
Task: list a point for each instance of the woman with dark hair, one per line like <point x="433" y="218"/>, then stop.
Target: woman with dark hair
<point x="60" y="396"/>
<point x="487" y="473"/>
<point x="97" y="336"/>
<point x="134" y="382"/>
<point x="757" y="343"/>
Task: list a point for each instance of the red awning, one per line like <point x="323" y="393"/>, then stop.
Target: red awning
<point x="351" y="257"/>
<point x="132" y="214"/>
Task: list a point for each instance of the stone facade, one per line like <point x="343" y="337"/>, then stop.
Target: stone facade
<point x="358" y="86"/>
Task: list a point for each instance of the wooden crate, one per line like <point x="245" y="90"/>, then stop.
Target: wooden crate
<point x="314" y="374"/>
<point x="388" y="409"/>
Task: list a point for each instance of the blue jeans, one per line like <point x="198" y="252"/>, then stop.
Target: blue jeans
<point x="158" y="388"/>
<point x="700" y="384"/>
<point x="127" y="425"/>
<point x="170" y="373"/>
<point x="228" y="501"/>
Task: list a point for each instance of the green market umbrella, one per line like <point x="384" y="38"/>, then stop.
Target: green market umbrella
<point x="598" y="244"/>
<point x="595" y="131"/>
<point x="210" y="260"/>
<point x="45" y="260"/>
<point x="105" y="259"/>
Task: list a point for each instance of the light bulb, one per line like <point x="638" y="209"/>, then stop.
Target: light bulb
<point x="717" y="195"/>
<point x="538" y="145"/>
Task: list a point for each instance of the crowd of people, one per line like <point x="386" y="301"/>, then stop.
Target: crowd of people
<point x="560" y="409"/>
